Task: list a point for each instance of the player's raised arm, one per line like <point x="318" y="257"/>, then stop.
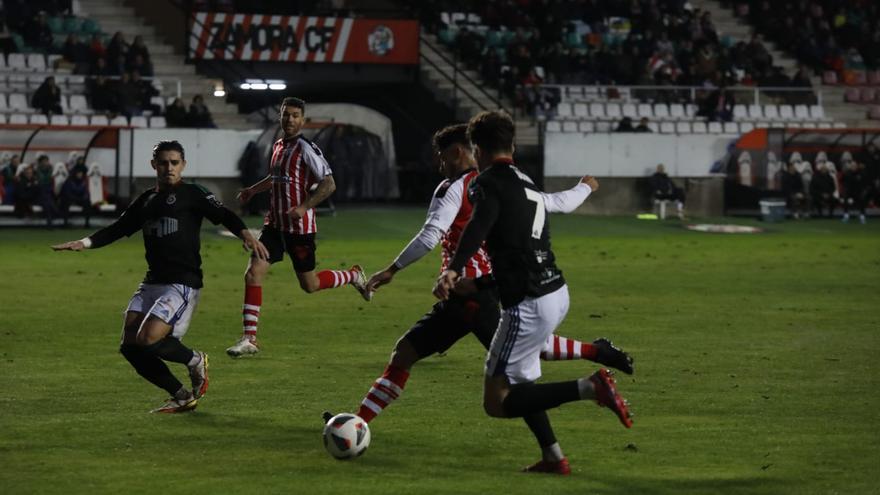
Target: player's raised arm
<point x="568" y="200"/>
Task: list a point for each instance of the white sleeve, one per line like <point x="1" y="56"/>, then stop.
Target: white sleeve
<point x="315" y="160"/>
<point x="566" y="201"/>
<point x="441" y="214"/>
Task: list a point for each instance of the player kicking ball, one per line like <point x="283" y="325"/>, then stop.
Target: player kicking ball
<point x="473" y="305"/>
<point x="299" y="180"/>
<point x="158" y="315"/>
<point x="510" y="216"/>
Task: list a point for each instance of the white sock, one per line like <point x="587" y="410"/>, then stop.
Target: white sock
<point x="585" y="388"/>
<point x="196" y="359"/>
<point x="552" y="453"/>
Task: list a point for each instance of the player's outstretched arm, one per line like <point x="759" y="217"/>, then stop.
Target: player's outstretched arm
<point x="245" y="195"/>
<point x="384" y="277"/>
<point x="70" y="246"/>
<point x="568" y="200"/>
<point x="445" y="283"/>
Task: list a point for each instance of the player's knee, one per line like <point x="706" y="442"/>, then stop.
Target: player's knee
<point x="493" y="406"/>
<point x="309" y="286"/>
<point x="404" y="354"/>
<point x="129" y="351"/>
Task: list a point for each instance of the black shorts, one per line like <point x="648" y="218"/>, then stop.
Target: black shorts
<point x="454" y="318"/>
<point x="300" y="248"/>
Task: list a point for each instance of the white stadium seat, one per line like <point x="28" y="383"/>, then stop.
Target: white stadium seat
<point x="3" y="105"/>
<point x="569" y="126"/>
<point x="762" y="125"/>
<point x="676" y="111"/>
<point x="16" y="61"/>
<point x="36" y="61"/>
<point x="59" y="120"/>
<point x="563" y="110"/>
<point x="661" y="111"/>
<point x="552" y="126"/>
<point x="644" y="110"/>
<point x="18" y="118"/>
<point x="597" y="110"/>
<point x="786" y="112"/>
<point x="653" y="126"/>
<point x="699" y="127"/>
<point x="39" y="119"/>
<point x="99" y="120"/>
<point x="691" y="110"/>
<point x="740" y="112"/>
<point x="2" y="118"/>
<point x="840" y="125"/>
<point x="802" y="112"/>
<point x="119" y="121"/>
<point x="809" y="125"/>
<point x="18" y="101"/>
<point x="158" y="122"/>
<point x="603" y="126"/>
<point x="18" y="82"/>
<point x="586" y="126"/>
<point x="52" y="60"/>
<point x="745" y="127"/>
<point x="755" y="112"/>
<point x="79" y="104"/>
<point x="79" y="120"/>
<point x="683" y="127"/>
<point x="138" y="121"/>
<point x="824" y="125"/>
<point x="817" y="112"/>
<point x="629" y="110"/>
<point x="667" y="127"/>
<point x="612" y="110"/>
<point x="65" y="106"/>
<point x="715" y="128"/>
<point x="793" y="125"/>
<point x="771" y="111"/>
<point x="731" y="128"/>
<point x="580" y="110"/>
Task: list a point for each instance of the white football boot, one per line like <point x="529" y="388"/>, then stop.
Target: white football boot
<point x="244" y="347"/>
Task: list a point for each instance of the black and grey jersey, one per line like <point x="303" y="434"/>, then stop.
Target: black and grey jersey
<point x="509" y="213"/>
<point x="171" y="221"/>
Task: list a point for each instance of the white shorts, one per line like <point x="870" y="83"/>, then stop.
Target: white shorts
<point x="516" y="347"/>
<point x="172" y="303"/>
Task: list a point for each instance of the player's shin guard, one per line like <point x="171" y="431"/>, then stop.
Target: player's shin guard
<point x="539" y="423"/>
<point x="171" y="349"/>
<point x="529" y="398"/>
<point x="150" y="367"/>
<point x="250" y="311"/>
<point x="385" y="390"/>
<point x="558" y="348"/>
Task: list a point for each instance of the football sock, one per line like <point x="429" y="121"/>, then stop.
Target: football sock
<point x="150" y="367"/>
<point x="329" y="279"/>
<point x="539" y="423"/>
<point x="196" y="359"/>
<point x="527" y="398"/>
<point x="385" y="390"/>
<point x="171" y="349"/>
<point x="586" y="389"/>
<point x="558" y="348"/>
<point x="250" y="311"/>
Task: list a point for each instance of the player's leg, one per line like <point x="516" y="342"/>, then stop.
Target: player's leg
<point x="150" y="367"/>
<point x="161" y="332"/>
<point x="513" y="365"/>
<point x="253" y="292"/>
<point x="602" y="351"/>
<point x="301" y="249"/>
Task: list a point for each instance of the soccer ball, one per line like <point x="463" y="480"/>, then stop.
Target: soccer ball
<point x="346" y="436"/>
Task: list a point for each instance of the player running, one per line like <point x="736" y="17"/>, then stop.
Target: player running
<point x="297" y="167"/>
<point x="510" y="216"/>
<point x="473" y="305"/>
<point x="159" y="313"/>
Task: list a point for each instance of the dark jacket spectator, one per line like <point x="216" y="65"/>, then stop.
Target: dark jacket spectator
<point x="175" y="114"/>
<point x="47" y="98"/>
<point x="117" y="48"/>
<point x="822" y="190"/>
<point x="793" y="189"/>
<point x="38" y="34"/>
<point x="138" y="48"/>
<point x="199" y="116"/>
<point x="625" y="125"/>
<point x="719" y="105"/>
<point x="102" y="95"/>
<point x="77" y="53"/>
<point x="128" y="94"/>
<point x="643" y="126"/>
<point x="75" y="191"/>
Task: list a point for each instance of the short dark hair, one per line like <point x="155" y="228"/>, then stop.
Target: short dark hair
<point x="168" y="146"/>
<point x="292" y="101"/>
<point x="492" y="131"/>
<point x="449" y="135"/>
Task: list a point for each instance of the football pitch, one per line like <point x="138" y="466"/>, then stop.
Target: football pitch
<point x="755" y="356"/>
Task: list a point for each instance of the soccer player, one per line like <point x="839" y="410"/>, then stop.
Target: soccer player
<point x="510" y="216"/>
<point x="158" y="315"/>
<point x="297" y="167"/>
<point x="473" y="305"/>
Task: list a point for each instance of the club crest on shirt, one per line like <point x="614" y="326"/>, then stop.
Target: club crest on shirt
<point x="214" y="201"/>
<point x="171" y="199"/>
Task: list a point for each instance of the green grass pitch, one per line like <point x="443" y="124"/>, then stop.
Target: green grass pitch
<point x="756" y="369"/>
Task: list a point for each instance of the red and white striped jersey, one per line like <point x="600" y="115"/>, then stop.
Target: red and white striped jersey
<point x="296" y="165"/>
<point x="479" y="264"/>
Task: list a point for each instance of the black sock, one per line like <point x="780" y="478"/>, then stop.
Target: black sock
<point x="528" y="398"/>
<point x="539" y="423"/>
<point x="150" y="367"/>
<point x="171" y="349"/>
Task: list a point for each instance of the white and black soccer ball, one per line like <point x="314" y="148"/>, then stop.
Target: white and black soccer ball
<point x="346" y="436"/>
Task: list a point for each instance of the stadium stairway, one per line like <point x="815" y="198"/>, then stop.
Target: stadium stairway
<point x="436" y="72"/>
<point x="853" y="115"/>
<point x="167" y="66"/>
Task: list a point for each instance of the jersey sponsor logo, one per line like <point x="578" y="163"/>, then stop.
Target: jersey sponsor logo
<point x="161" y="227"/>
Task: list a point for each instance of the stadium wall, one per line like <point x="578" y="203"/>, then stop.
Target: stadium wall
<point x="624" y="161"/>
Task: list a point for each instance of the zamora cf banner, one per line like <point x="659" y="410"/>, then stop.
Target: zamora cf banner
<point x="279" y="38"/>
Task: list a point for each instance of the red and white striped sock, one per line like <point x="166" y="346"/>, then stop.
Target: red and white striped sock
<point x="330" y="279"/>
<point x="558" y="348"/>
<point x="250" y="311"/>
<point x="385" y="390"/>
